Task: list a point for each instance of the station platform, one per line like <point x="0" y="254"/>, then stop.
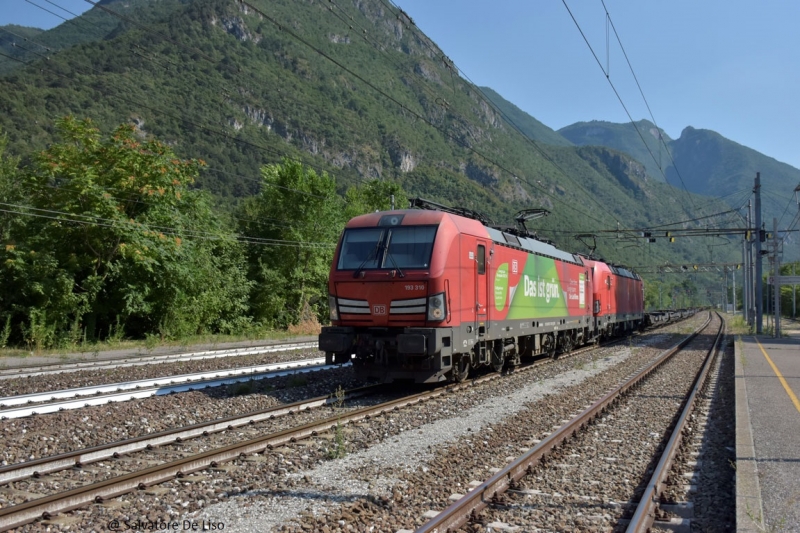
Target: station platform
<point x="768" y="431"/>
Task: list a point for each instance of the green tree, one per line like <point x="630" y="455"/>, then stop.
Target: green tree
<point x="10" y="191"/>
<point x="292" y="225"/>
<point x="114" y="237"/>
<point x="374" y="195"/>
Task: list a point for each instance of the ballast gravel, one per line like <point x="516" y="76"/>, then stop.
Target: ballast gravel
<point x="396" y="466"/>
<point x="377" y="470"/>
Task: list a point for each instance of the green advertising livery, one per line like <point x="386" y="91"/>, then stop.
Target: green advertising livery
<point x="539" y="291"/>
<point x="501" y="287"/>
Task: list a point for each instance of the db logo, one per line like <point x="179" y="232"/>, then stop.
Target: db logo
<point x="378" y="309"/>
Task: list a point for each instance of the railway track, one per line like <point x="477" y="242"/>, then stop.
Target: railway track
<point x="550" y="477"/>
<point x="32" y="404"/>
<point x="48" y="506"/>
<point x="140" y="360"/>
<point x="180" y="469"/>
<point x="23" y="405"/>
<point x="80" y="458"/>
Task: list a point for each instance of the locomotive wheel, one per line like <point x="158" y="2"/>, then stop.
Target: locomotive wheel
<point x="461" y="369"/>
<point x="549" y="346"/>
<point x="566" y="345"/>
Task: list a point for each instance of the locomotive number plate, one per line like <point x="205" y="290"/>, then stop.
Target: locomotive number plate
<point x="415" y="287"/>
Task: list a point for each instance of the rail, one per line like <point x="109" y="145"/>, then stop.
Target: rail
<point x="460" y="512"/>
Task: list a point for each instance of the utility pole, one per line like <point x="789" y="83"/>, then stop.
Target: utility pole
<point x="733" y="275"/>
<point x="750" y="279"/>
<point x="725" y="288"/>
<point x="744" y="279"/>
<point x="776" y="284"/>
<point x="758" y="281"/>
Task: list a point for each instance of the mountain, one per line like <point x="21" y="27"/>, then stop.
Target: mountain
<point x="642" y="140"/>
<point x="703" y="162"/>
<point x="526" y="124"/>
<point x="708" y="163"/>
<point x="352" y="88"/>
<point x="26" y="44"/>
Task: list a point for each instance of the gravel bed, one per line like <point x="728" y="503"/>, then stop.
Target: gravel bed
<point x="593" y="481"/>
<point x="397" y="466"/>
<point x="712" y="460"/>
<point x="102" y="376"/>
<point x="24" y="439"/>
<point x="16" y="492"/>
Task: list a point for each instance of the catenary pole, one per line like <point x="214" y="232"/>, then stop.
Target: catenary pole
<point x="776" y="285"/>
<point x="758" y="274"/>
<point x="751" y="294"/>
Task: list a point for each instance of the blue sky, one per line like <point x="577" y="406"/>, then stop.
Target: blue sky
<point x="730" y="66"/>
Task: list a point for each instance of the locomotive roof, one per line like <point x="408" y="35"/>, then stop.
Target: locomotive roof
<point x="467" y="225"/>
<point x="417" y="217"/>
<point x="533" y="246"/>
<point x="622" y="271"/>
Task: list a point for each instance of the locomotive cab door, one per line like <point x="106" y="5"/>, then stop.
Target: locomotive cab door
<point x="481" y="284"/>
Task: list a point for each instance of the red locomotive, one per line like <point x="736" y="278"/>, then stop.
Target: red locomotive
<point x="425" y="295"/>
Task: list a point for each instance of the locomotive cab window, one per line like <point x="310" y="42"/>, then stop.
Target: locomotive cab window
<point x="481" y="259"/>
<point x="387" y="248"/>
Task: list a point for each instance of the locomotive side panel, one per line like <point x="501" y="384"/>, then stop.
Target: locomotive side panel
<point x="427" y="295"/>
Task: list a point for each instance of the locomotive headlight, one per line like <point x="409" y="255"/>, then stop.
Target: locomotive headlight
<point x="436" y="307"/>
<point x="334" y="309"/>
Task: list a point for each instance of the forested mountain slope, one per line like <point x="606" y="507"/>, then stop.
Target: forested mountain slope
<point x="700" y="161"/>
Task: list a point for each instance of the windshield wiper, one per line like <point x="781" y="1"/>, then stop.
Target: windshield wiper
<point x="388" y="255"/>
<point x="372" y="255"/>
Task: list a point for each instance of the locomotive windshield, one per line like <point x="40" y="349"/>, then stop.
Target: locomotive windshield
<point x="396" y="247"/>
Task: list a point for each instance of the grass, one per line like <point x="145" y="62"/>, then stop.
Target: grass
<point x="339" y="449"/>
<point x="737" y="326"/>
<point x="241" y="388"/>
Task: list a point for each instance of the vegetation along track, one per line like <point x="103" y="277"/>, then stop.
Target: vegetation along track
<point x="183" y="465"/>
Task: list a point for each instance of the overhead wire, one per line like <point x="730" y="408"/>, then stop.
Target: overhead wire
<point x="508" y="119"/>
<point x="235" y="72"/>
<point x="480" y="154"/>
<point x="167" y="230"/>
<point x="479" y="92"/>
<point x="224" y="134"/>
<point x="397" y="102"/>
<point x="619" y="97"/>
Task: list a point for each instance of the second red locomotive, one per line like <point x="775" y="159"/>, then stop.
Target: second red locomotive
<point x="428" y="295"/>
